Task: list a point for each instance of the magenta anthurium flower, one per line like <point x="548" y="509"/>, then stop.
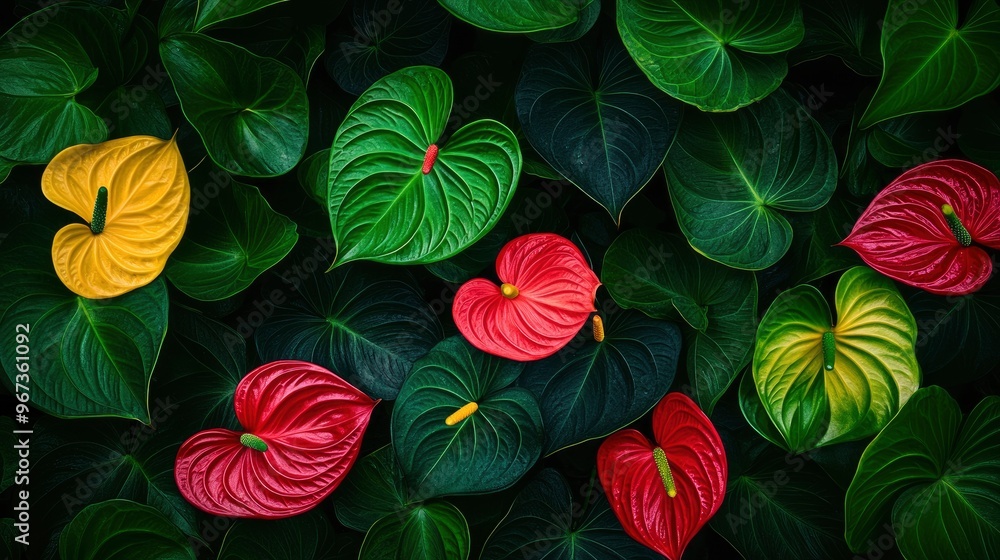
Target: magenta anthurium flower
<point x="924" y="228"/>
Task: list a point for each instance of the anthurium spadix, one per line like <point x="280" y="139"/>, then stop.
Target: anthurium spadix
<point x="134" y="194"/>
<point x="302" y="432"/>
<point x="547" y="294"/>
<point x="824" y="382"/>
<point x="663" y="492"/>
<point x="925" y="227"/>
<point x="397" y="194"/>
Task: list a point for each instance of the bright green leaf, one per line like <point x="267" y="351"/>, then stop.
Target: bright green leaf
<point x="822" y="383"/>
<point x="712" y="54"/>
<point x="518" y="16"/>
<point x="434" y="530"/>
<point x="931" y="63"/>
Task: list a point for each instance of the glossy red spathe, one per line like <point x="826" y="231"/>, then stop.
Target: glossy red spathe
<point x="311" y="422"/>
<point x="547" y="295"/>
<point x="637" y="491"/>
<point x="905" y="234"/>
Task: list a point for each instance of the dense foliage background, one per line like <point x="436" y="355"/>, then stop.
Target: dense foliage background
<point x="255" y="91"/>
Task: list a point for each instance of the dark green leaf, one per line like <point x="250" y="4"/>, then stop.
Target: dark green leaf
<point x="937" y="478"/>
<point x="229" y="243"/>
<point x="731" y="176"/>
<point x="374" y="489"/>
<point x="590" y="389"/>
<point x="586" y="20"/>
<point x="304" y="537"/>
<point x="487" y="451"/>
<point x="434" y="530"/>
<point x="284" y="39"/>
<point x="607" y="136"/>
<point x="361" y="322"/>
<point x="518" y="16"/>
<point x="847" y="29"/>
<point x="545" y="522"/>
<point x="910" y="140"/>
<point x="813" y="254"/>
<point x="717" y="55"/>
<point x="251" y="112"/>
<point x="388" y="35"/>
<point x="123" y="530"/>
<point x="931" y="61"/>
<point x="211" y="12"/>
<point x="957" y="339"/>
<point x="89" y="357"/>
<point x="655" y="272"/>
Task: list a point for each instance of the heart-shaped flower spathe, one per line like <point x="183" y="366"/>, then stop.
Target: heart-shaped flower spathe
<point x="664" y="492"/>
<point x="303" y="425"/>
<point x="547" y="295"/>
<point x="919" y="230"/>
<point x="135" y="195"/>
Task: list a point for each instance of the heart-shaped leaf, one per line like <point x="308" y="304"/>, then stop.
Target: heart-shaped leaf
<point x="374" y="489"/>
<point x="303" y="427"/>
<point x="459" y="428"/>
<point x="544" y="521"/>
<point x="395" y="196"/>
<point x="58" y="64"/>
<point x="847" y="29"/>
<point x="823" y="383"/>
<point x="518" y="16"/>
<point x="122" y="530"/>
<point x="434" y="530"/>
<point x="935" y="476"/>
<point x="584" y="23"/>
<point x="360" y="321"/>
<point x="607" y="136"/>
<point x="135" y="194"/>
<point x="307" y="537"/>
<point x="661" y="276"/>
<point x="716" y="55"/>
<point x="907" y="141"/>
<point x="931" y="63"/>
<point x="229" y="244"/>
<point x="591" y="389"/>
<point x="89" y="357"/>
<point x="969" y="324"/>
<point x="664" y="492"/>
<point x="251" y="112"/>
<point x="546" y="295"/>
<point x="412" y="33"/>
<point x="919" y="230"/>
<point x="731" y="175"/>
<point x="212" y="12"/>
<point x="778" y="505"/>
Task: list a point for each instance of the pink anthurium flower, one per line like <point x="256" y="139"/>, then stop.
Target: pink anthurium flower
<point x="923" y="228"/>
<point x="547" y="294"/>
<point x="303" y="427"/>
<point x="664" y="492"/>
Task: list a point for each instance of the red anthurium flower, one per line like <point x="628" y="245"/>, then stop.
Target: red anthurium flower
<point x="303" y="432"/>
<point x="919" y="230"/>
<point x="663" y="493"/>
<point x="547" y="295"/>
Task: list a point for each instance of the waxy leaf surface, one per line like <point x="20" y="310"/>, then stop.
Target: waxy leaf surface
<point x="816" y="401"/>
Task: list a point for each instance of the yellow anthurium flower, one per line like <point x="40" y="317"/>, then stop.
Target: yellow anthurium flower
<point x="135" y="195"/>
